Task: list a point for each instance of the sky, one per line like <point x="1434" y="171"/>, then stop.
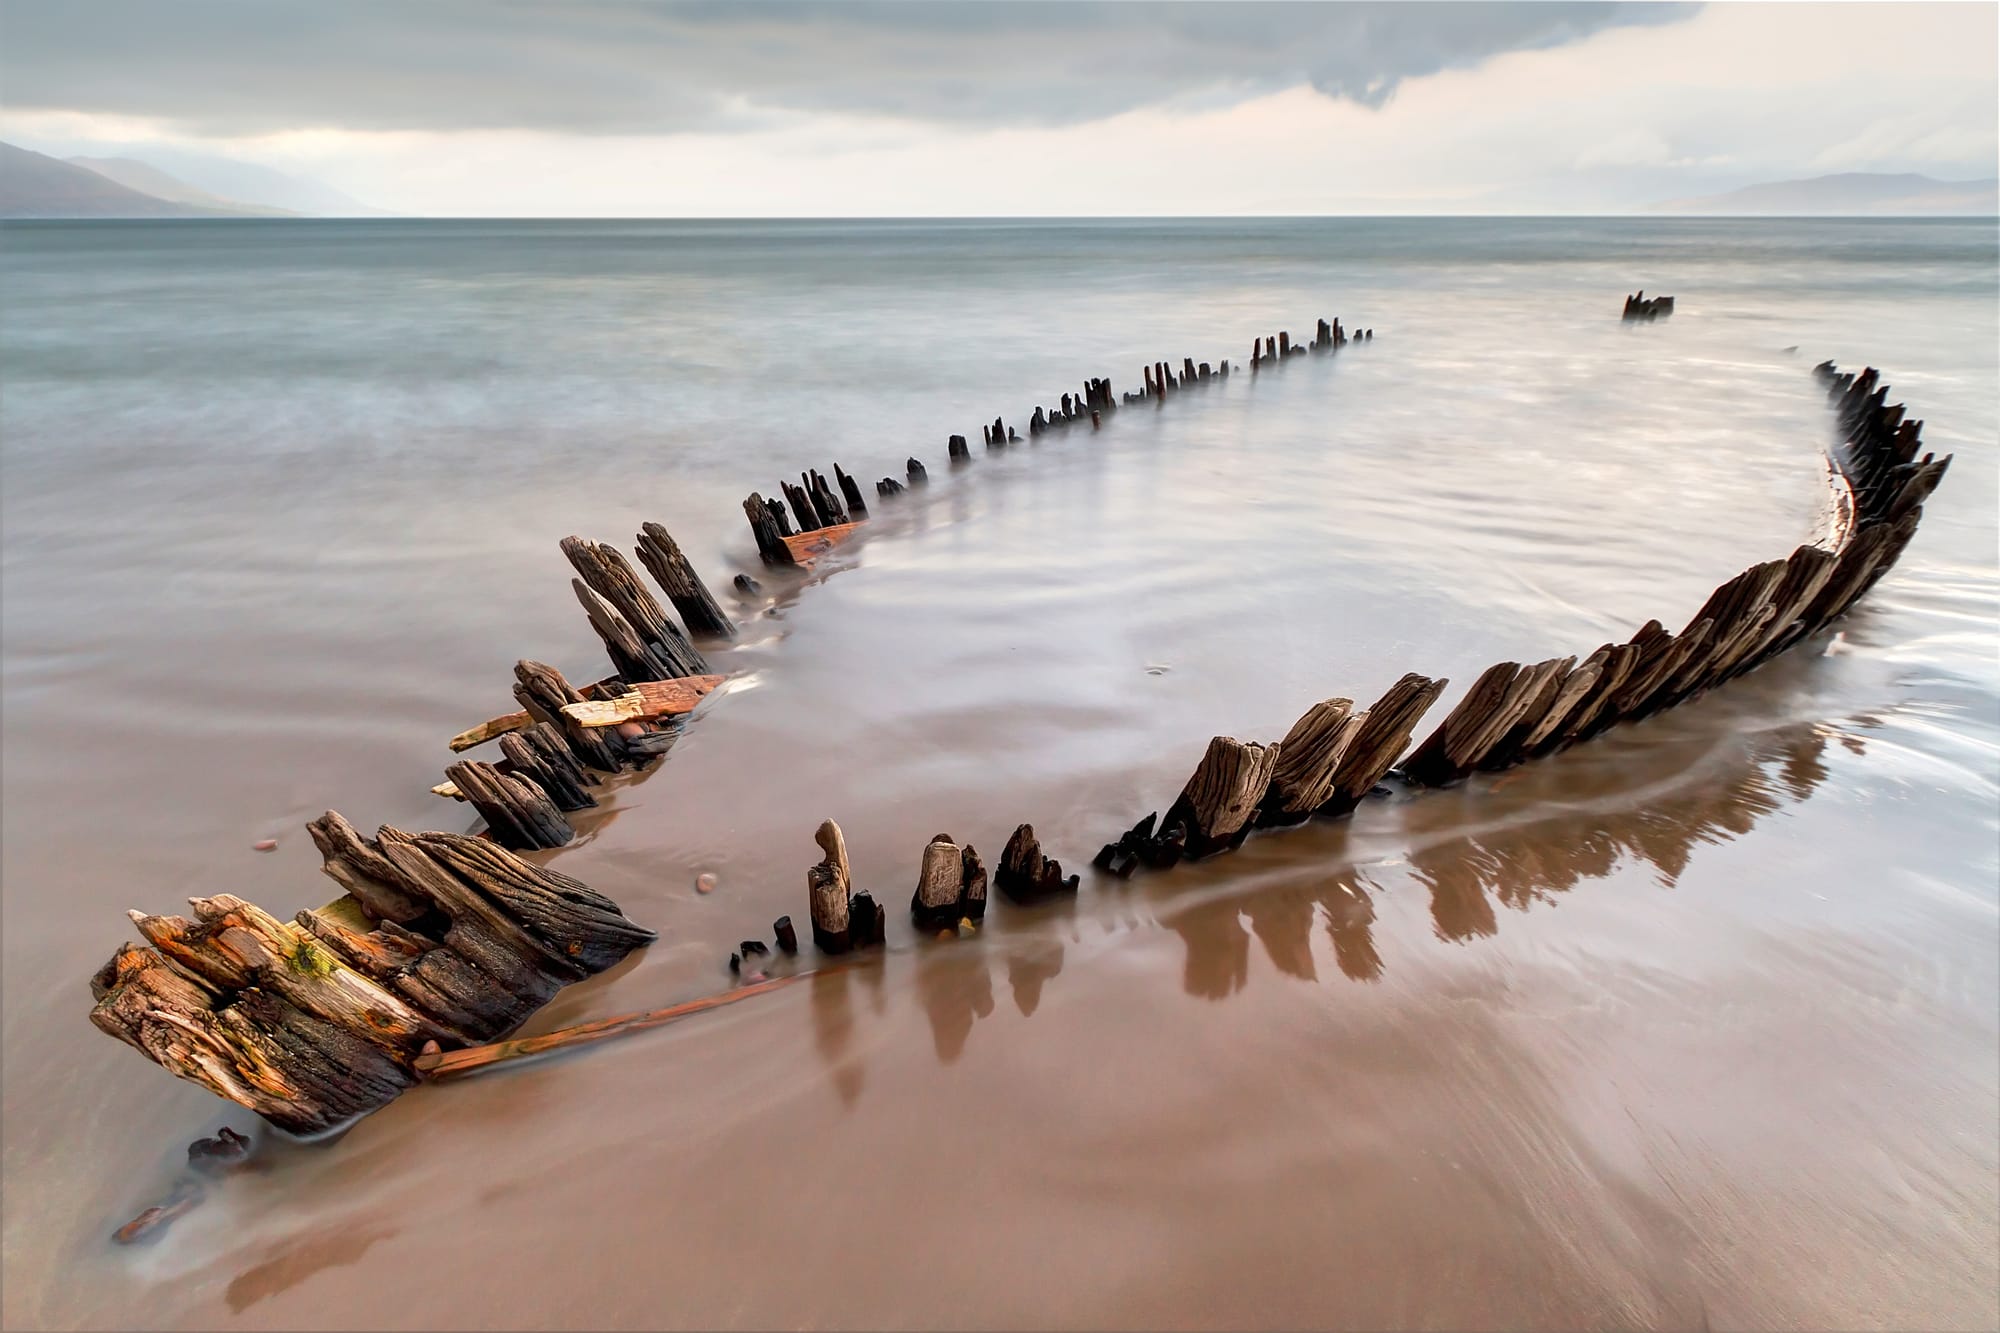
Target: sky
<point x="597" y="108"/>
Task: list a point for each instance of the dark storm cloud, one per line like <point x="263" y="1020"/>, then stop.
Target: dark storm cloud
<point x="246" y="66"/>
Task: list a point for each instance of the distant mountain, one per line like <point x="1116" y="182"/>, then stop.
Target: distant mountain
<point x="133" y="174"/>
<point x="252" y="185"/>
<point x="35" y="186"/>
<point x="1851" y="194"/>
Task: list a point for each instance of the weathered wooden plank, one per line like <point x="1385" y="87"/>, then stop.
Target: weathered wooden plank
<point x="805" y="547"/>
<point x="647" y="699"/>
<point x="492" y="727"/>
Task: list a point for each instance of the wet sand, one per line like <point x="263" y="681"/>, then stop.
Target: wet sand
<point x="1693" y="1025"/>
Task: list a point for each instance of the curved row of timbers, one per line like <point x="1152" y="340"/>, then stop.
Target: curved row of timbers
<point x="443" y="940"/>
<point x="448" y="941"/>
<point x="561" y="735"/>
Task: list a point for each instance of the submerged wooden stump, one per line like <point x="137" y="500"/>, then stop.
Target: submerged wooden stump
<point x="1638" y="307"/>
<point x="951" y="885"/>
<point x="1027" y="876"/>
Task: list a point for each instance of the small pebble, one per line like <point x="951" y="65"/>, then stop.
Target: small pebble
<point x="268" y="845"/>
<point x="704" y="884"/>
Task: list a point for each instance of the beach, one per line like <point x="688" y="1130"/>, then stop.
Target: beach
<point x="1697" y="1024"/>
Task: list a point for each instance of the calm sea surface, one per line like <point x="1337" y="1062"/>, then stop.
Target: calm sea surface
<point x="1700" y="1022"/>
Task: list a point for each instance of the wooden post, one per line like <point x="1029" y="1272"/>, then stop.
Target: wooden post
<point x="802" y="507"/>
<point x="1308" y="756"/>
<point x="788" y="938"/>
<point x="771" y="548"/>
<point x="1222" y="794"/>
<point x="662" y="557"/>
<point x="939" y="884"/>
<point x="915" y="471"/>
<point x="867" y="920"/>
<point x="1498" y="701"/>
<point x="951" y="885"/>
<point x="832" y="514"/>
<point x="828" y="886"/>
<point x="1025" y="875"/>
<point x="959" y="453"/>
<point x="610" y="577"/>
<point x="972" y="884"/>
<point x="850" y="490"/>
<point x="1384" y="732"/>
<point x="631" y="657"/>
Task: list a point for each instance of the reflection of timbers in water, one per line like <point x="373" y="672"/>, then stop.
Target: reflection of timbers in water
<point x="1333" y="756"/>
<point x="1514" y="862"/>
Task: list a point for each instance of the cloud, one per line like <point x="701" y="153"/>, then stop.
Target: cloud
<point x="245" y="67"/>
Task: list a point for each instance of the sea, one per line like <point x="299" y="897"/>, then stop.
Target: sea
<point x="1695" y="1025"/>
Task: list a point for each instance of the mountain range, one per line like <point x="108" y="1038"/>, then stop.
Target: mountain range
<point x="170" y="183"/>
<point x="1850" y="194"/>
<point x="35" y="185"/>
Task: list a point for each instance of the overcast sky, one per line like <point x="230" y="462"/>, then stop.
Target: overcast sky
<point x="588" y="108"/>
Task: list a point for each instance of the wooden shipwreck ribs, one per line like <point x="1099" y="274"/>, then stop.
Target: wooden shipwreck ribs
<point x="1640" y="308"/>
<point x="1333" y="757"/>
<point x="443" y="940"/>
<point x="440" y="938"/>
<point x="442" y="943"/>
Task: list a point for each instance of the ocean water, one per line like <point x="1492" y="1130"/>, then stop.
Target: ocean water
<point x="1698" y="1022"/>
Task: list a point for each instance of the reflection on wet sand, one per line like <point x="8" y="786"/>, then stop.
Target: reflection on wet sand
<point x="1028" y="967"/>
<point x="1652" y="798"/>
<point x="1523" y="860"/>
<point x="1529" y="862"/>
<point x="955" y="992"/>
<point x="833" y="1031"/>
<point x="313" y="1253"/>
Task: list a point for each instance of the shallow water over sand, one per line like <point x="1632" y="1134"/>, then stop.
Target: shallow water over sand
<point x="1697" y="1022"/>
